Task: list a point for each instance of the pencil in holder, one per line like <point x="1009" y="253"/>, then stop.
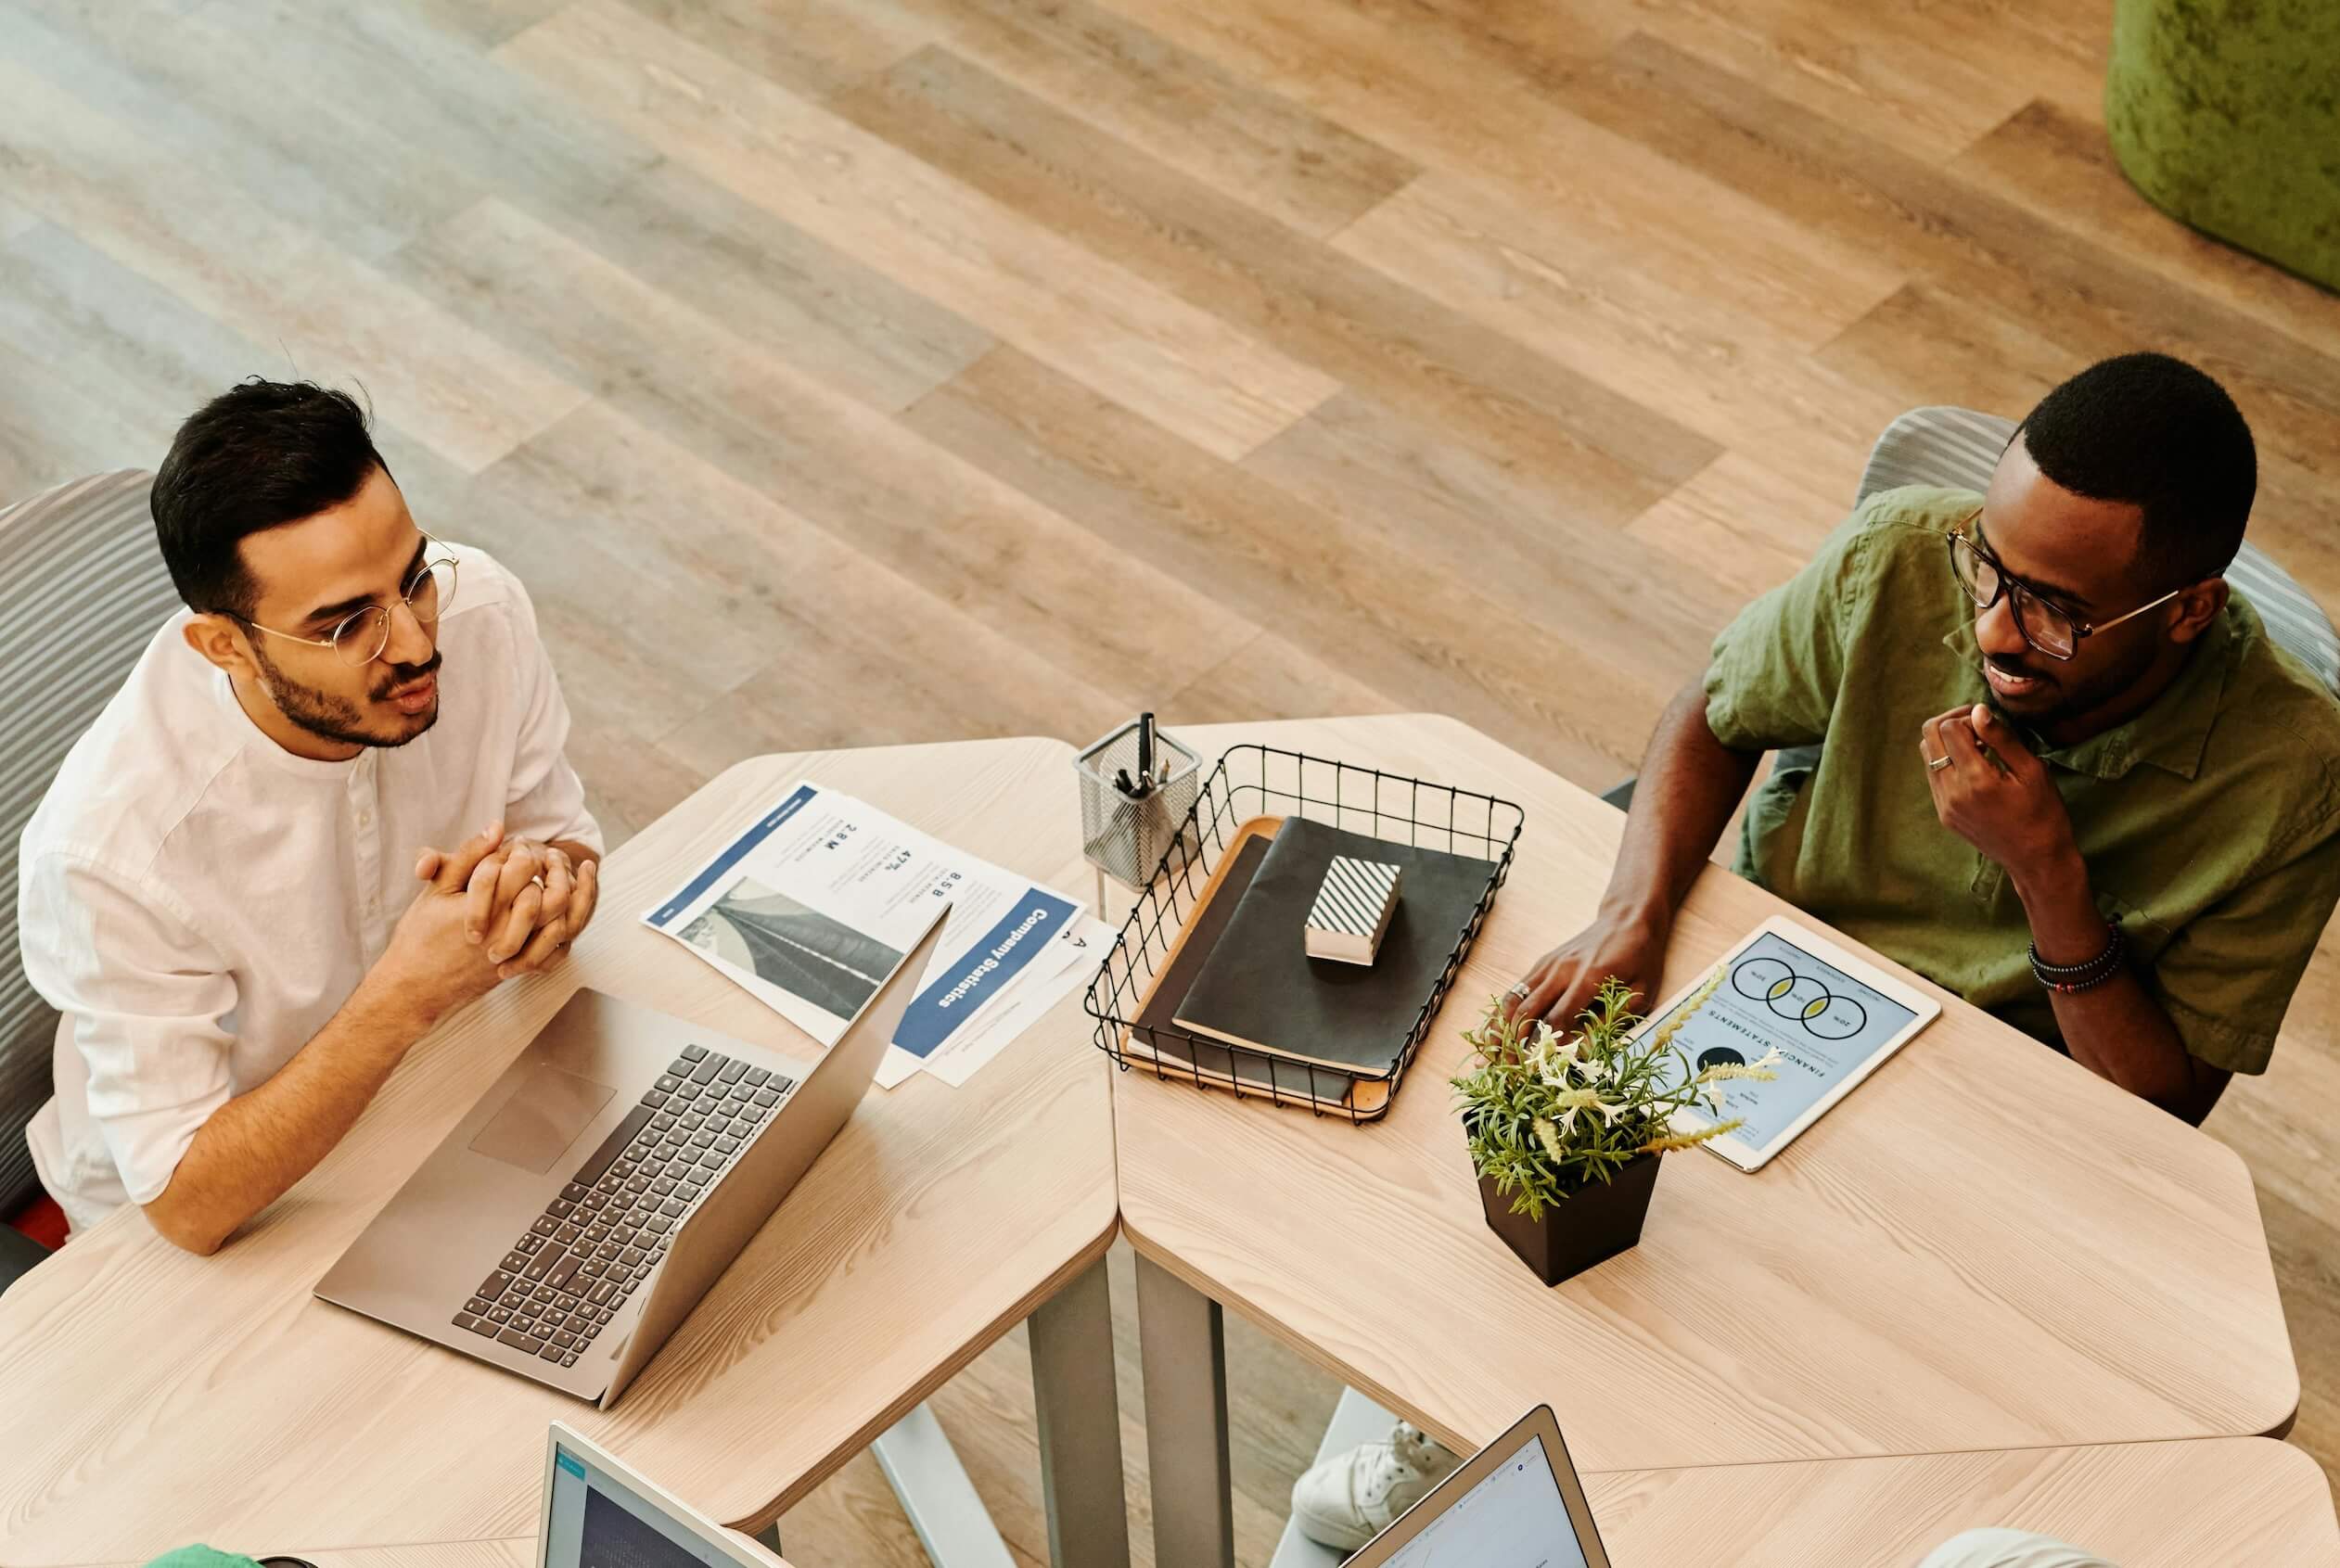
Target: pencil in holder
<point x="1137" y="790"/>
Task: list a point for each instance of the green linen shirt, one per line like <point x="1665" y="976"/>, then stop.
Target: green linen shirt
<point x="2210" y="823"/>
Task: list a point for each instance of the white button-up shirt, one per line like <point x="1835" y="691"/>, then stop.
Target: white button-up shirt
<point x="197" y="901"/>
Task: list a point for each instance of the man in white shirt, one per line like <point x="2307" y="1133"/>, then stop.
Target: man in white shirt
<point x="283" y="853"/>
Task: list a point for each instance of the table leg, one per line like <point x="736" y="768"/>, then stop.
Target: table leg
<point x="1182" y="1346"/>
<point x="932" y="1485"/>
<point x="1080" y="1425"/>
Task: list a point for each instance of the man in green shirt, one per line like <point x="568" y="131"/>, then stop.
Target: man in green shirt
<point x="2062" y="772"/>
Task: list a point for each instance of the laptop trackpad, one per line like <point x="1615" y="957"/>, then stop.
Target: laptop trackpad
<point x="539" y="1120"/>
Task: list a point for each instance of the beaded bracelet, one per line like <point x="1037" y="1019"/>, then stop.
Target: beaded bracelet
<point x="2071" y="977"/>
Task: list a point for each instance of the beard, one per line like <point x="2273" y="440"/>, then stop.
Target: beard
<point x="2057" y="703"/>
<point x="337" y="719"/>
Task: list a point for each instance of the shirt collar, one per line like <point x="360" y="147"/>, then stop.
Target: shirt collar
<point x="2170" y="733"/>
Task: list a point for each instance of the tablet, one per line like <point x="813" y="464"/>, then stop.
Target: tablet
<point x="1832" y="1015"/>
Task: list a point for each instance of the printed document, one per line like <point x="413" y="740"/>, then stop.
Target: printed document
<point x="813" y="905"/>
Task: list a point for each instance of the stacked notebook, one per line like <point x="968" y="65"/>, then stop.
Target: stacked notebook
<point x="1306" y="1025"/>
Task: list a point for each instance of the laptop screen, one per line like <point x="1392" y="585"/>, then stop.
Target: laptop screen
<point x="1514" y="1519"/>
<point x="599" y="1522"/>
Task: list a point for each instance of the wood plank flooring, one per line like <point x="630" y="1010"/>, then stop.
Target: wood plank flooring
<point x="810" y="357"/>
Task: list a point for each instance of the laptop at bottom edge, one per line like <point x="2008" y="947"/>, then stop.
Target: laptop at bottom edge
<point x="1516" y="1503"/>
<point x="596" y="1511"/>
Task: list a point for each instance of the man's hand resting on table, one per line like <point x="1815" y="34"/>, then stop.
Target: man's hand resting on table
<point x="1562" y="982"/>
<point x="524" y="903"/>
<point x="1690" y="782"/>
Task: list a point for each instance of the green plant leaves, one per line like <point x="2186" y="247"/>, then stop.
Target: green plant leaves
<point x="1547" y="1115"/>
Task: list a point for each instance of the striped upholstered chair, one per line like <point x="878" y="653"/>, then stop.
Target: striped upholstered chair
<point x="1958" y="447"/>
<point x="83" y="589"/>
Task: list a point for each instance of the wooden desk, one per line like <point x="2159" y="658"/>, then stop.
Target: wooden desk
<point x="1985" y="1247"/>
<point x="2141" y="1505"/>
<point x="517" y="1552"/>
<point x="150" y="1391"/>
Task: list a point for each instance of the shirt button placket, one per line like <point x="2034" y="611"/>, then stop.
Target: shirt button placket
<point x="368" y="837"/>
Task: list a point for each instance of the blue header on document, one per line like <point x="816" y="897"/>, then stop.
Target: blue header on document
<point x="763" y="828"/>
<point x="1030" y="923"/>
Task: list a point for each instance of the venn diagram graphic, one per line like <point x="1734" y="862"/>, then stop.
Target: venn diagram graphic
<point x="1823" y="1014"/>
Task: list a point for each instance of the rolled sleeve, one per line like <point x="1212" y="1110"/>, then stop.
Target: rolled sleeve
<point x="546" y="799"/>
<point x="2226" y="978"/>
<point x="146" y="997"/>
<point x="1776" y="669"/>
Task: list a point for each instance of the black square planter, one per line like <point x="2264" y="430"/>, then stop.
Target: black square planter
<point x="1593" y="1224"/>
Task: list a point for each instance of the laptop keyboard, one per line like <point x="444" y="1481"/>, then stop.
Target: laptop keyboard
<point x="576" y="1264"/>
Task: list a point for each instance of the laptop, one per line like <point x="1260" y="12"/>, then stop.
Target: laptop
<point x="570" y="1223"/>
<point x="598" y="1514"/>
<point x="1516" y="1503"/>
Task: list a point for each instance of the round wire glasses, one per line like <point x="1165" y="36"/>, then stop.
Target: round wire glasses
<point x="360" y="637"/>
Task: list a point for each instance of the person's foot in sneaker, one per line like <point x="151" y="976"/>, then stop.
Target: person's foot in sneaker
<point x="1352" y="1498"/>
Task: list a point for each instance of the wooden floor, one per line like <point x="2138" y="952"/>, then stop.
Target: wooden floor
<point x="854" y="371"/>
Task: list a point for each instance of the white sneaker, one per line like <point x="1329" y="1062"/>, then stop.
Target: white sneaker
<point x="1352" y="1498"/>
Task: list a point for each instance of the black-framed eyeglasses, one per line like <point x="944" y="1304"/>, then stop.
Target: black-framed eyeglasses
<point x="2047" y="626"/>
<point x="360" y="637"/>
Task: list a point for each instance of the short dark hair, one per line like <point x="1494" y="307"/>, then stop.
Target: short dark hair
<point x="2157" y="433"/>
<point x="261" y="454"/>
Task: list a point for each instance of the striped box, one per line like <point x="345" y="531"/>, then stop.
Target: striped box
<point x="1352" y="909"/>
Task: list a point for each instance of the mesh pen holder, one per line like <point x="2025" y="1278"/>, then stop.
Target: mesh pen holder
<point x="1129" y="840"/>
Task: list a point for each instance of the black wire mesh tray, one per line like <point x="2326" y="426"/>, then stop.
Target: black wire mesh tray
<point x="1252" y="788"/>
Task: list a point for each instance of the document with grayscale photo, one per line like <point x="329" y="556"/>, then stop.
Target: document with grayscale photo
<point x="814" y="904"/>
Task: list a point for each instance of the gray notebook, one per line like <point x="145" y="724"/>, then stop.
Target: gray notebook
<point x="1157" y="1020"/>
<point x="1260" y="990"/>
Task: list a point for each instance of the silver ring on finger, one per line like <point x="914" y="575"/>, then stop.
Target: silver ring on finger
<point x="1521" y="990"/>
<point x="1935" y="765"/>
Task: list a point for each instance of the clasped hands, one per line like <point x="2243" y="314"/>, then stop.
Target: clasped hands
<point x="524" y="903"/>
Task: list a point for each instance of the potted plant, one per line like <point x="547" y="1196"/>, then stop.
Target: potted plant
<point x="1566" y="1133"/>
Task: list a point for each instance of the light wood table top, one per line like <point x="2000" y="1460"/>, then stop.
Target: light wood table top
<point x="517" y="1552"/>
<point x="1986" y="1246"/>
<point x="2141" y="1505"/>
<point x="160" y="1390"/>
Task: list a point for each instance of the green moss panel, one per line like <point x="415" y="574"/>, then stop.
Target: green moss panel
<point x="2226" y="114"/>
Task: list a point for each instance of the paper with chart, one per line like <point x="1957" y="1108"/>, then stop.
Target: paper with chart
<point x="1824" y="1022"/>
<point x="815" y="902"/>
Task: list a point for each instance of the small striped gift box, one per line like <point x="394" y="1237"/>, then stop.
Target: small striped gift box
<point x="1352" y="909"/>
